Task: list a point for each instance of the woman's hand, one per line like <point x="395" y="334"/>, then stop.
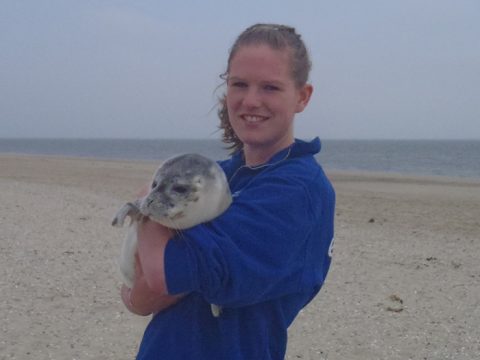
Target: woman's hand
<point x="141" y="300"/>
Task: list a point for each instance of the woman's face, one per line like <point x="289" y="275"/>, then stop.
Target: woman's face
<point x="262" y="98"/>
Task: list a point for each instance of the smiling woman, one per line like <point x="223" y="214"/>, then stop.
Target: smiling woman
<point x="267" y="255"/>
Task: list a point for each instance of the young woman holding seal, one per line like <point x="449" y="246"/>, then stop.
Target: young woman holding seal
<point x="267" y="256"/>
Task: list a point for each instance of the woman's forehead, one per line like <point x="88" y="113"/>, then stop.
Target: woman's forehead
<point x="261" y="60"/>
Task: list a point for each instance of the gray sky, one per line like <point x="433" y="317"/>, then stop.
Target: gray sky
<point x="148" y="69"/>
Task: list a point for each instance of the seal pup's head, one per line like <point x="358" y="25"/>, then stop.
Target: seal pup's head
<point x="187" y="190"/>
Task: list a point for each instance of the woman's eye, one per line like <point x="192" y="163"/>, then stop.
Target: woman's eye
<point x="271" y="88"/>
<point x="239" y="84"/>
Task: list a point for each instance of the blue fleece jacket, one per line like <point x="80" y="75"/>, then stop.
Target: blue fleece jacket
<point x="262" y="260"/>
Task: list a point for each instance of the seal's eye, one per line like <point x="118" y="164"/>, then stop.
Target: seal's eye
<point x="180" y="189"/>
<point x="154" y="185"/>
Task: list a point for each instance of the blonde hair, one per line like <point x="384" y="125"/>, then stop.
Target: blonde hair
<point x="278" y="37"/>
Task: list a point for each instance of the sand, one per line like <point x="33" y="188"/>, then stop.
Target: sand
<point x="404" y="282"/>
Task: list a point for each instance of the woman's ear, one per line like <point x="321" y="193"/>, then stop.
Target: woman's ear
<point x="304" y="95"/>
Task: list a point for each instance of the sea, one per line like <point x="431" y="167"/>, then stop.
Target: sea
<point x="450" y="158"/>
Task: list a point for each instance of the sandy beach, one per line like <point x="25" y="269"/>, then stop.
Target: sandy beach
<point x="404" y="283"/>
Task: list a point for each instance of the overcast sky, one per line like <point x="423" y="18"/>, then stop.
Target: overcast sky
<point x="148" y="69"/>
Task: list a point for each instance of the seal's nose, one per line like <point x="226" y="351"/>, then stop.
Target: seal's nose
<point x="145" y="205"/>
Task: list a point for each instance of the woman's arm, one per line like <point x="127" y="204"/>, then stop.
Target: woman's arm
<point x="146" y="304"/>
<point x="152" y="240"/>
<point x="149" y="292"/>
<point x="141" y="300"/>
<point x="273" y="241"/>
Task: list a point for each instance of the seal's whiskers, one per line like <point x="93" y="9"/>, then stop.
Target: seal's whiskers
<point x="175" y="228"/>
<point x="179" y="233"/>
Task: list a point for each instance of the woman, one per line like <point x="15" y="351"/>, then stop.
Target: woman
<point x="268" y="255"/>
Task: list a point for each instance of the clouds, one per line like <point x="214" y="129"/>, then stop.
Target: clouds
<point x="110" y="68"/>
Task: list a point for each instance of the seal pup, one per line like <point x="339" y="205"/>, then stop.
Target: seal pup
<point x="186" y="190"/>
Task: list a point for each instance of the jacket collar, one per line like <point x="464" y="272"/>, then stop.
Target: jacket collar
<point x="298" y="148"/>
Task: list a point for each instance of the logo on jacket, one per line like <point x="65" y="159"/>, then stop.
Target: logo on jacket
<point x="330" y="248"/>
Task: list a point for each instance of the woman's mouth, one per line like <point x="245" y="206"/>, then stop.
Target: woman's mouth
<point x="253" y="119"/>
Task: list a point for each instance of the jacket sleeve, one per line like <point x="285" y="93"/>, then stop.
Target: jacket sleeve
<point x="255" y="251"/>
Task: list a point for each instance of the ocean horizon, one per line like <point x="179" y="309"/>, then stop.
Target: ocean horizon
<point x="451" y="158"/>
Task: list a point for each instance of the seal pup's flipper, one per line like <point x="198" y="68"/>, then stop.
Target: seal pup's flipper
<point x="129" y="209"/>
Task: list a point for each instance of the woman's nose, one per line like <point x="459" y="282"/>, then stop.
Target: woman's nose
<point x="251" y="98"/>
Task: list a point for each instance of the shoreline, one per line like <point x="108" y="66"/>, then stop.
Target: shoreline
<point x="403" y="284"/>
<point x="339" y="174"/>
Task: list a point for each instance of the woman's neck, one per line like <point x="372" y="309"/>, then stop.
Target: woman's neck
<point x="255" y="156"/>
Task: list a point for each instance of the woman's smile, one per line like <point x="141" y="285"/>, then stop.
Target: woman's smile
<point x="254" y="119"/>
